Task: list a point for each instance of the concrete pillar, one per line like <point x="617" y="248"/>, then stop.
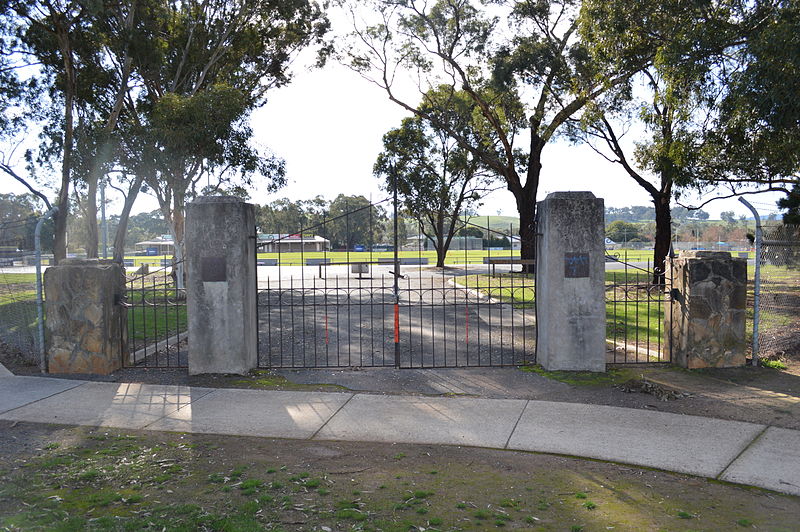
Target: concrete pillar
<point x="221" y="285"/>
<point x="705" y="319"/>
<point x="87" y="327"/>
<point x="570" y="276"/>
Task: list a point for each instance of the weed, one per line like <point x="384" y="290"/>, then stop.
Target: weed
<point x="265" y="499"/>
<point x="250" y="486"/>
<point x="576" y="528"/>
<point x="744" y="522"/>
<point x="351" y="513"/>
<point x="399" y="456"/>
<point x="580" y="495"/>
<point x="356" y="493"/>
<point x="508" y="503"/>
<point x="276" y="485"/>
<point x="271" y="470"/>
<point x="421" y="494"/>
<point x="589" y="505"/>
<point x="482" y="514"/>
<point x="685" y="515"/>
<point x="543" y="505"/>
<point x="434" y="472"/>
<point x="530" y="519"/>
<point x="461" y="505"/>
<point x="773" y="364"/>
<point x="422" y="511"/>
<point x="52" y="445"/>
<point x="304" y="475"/>
<point x="323" y="491"/>
<point x="238" y="472"/>
<point x="216" y="478"/>
<point x="312" y="483"/>
<point x="344" y="504"/>
<point x="89" y="475"/>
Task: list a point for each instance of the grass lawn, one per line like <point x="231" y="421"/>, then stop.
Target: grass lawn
<point x="64" y="478"/>
<point x="156" y="312"/>
<point x="634" y="310"/>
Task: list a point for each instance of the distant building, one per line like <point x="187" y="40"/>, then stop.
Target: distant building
<point x="457" y="243"/>
<point x="291" y="243"/>
<point x="159" y="246"/>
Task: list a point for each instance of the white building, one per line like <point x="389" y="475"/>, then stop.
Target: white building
<point x="291" y="243"/>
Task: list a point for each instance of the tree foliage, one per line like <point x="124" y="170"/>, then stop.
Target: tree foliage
<point x="436" y="178"/>
<point x="533" y="74"/>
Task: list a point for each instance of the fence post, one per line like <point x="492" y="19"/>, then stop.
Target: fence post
<point x="757" y="280"/>
<point x="84" y="316"/>
<point x="221" y="286"/>
<point x="570" y="272"/>
<point x="37" y="239"/>
<point x="705" y="322"/>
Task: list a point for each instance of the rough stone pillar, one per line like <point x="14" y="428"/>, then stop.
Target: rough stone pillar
<point x="221" y="285"/>
<point x="570" y="272"/>
<point x="87" y="327"/>
<point x="705" y="319"/>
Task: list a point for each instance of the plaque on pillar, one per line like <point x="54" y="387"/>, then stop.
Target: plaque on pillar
<point x="570" y="275"/>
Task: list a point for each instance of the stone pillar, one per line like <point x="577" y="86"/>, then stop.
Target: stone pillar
<point x="705" y="320"/>
<point x="570" y="274"/>
<point x="87" y="327"/>
<point x="221" y="285"/>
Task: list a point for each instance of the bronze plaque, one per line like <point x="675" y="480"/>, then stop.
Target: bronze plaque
<point x="212" y="269"/>
<point x="576" y="265"/>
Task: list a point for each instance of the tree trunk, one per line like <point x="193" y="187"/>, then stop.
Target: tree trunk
<point x="525" y="197"/>
<point x="91" y="220"/>
<point x="122" y="227"/>
<point x="177" y="226"/>
<point x="663" y="237"/>
<point x="60" y="230"/>
<point x="441" y="248"/>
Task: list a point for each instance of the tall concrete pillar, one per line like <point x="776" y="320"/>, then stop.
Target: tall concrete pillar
<point x="570" y="274"/>
<point x="87" y="327"/>
<point x="705" y="317"/>
<point x="221" y="285"/>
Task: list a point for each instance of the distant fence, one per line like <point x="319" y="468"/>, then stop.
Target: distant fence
<point x="779" y="306"/>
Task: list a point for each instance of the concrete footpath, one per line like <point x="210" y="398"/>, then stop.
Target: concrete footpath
<point x="732" y="451"/>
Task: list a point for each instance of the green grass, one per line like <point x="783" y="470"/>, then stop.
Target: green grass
<point x="156" y="314"/>
<point x="82" y="485"/>
<point x="634" y="309"/>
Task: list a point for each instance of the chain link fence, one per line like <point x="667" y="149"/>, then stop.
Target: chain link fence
<point x="19" y="339"/>
<point x="779" y="306"/>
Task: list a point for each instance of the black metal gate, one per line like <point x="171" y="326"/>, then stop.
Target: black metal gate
<point x="371" y="304"/>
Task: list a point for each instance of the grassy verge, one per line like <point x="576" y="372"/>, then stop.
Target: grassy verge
<point x="79" y="479"/>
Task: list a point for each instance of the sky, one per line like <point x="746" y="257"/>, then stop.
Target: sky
<point x="328" y="124"/>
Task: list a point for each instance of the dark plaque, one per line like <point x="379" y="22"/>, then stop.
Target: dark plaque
<point x="212" y="269"/>
<point x="576" y="265"/>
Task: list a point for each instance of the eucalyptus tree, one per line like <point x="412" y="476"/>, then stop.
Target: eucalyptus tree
<point x="78" y="68"/>
<point x="673" y="102"/>
<point x="207" y="65"/>
<point x="536" y="57"/>
<point x="435" y="177"/>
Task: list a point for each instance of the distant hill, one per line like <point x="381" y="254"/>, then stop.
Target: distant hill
<point x="496" y="223"/>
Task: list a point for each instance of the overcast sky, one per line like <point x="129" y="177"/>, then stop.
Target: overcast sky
<point x="328" y="123"/>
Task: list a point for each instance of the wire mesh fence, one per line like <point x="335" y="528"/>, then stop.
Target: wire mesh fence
<point x="18" y="315"/>
<point x="779" y="305"/>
